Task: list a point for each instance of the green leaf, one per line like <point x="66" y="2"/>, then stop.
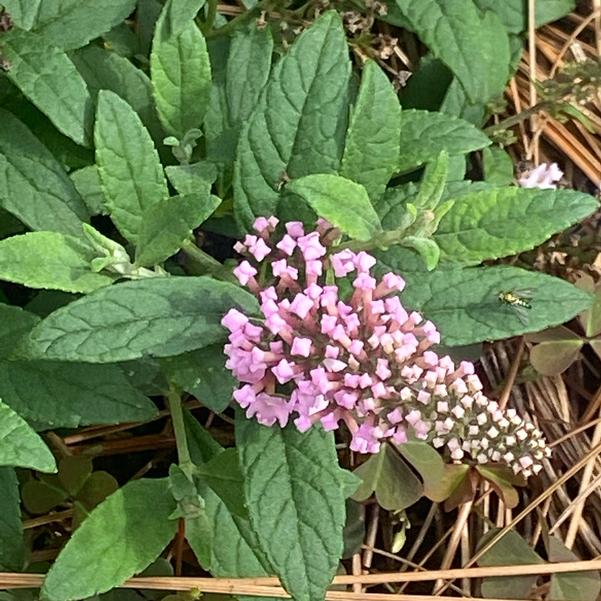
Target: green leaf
<point x="430" y="467"/>
<point x="456" y="32"/>
<point x="373" y="139"/>
<point x="192" y="179"/>
<point x="512" y="549"/>
<point x="591" y="319"/>
<point x="49" y="260"/>
<point x="14" y="324"/>
<point x="498" y="166"/>
<point x="340" y="201"/>
<point x="69" y="24"/>
<point x="390" y="478"/>
<point x="69" y="395"/>
<point x="505" y="221"/>
<point x="203" y="374"/>
<point x="425" y="134"/>
<point x="105" y="70"/>
<point x="464" y="303"/>
<point x="169" y="223"/>
<point x="129" y="167"/>
<point x="120" y="538"/>
<point x="298" y="126"/>
<point x="502" y="480"/>
<point x="159" y="317"/>
<point x="87" y="183"/>
<point x="12" y="546"/>
<point x="73" y="471"/>
<point x="223" y="475"/>
<point x="20" y="446"/>
<point x="427" y="249"/>
<point x="50" y="80"/>
<point x="33" y="185"/>
<point x="181" y="12"/>
<point x="577" y="586"/>
<point x="556" y="351"/>
<point x="96" y="489"/>
<point x="181" y="75"/>
<point x="295" y="503"/>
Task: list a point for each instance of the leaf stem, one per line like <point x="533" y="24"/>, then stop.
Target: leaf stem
<point x="518" y="118"/>
<point x="211" y="14"/>
<point x="174" y="403"/>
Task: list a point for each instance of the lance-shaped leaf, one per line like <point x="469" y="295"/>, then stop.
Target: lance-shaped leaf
<point x="373" y="139"/>
<point x="12" y="545"/>
<point x="33" y="184"/>
<point x="295" y="502"/>
<point x="20" y="446"/>
<point x="50" y="260"/>
<point x="120" y="538"/>
<point x="340" y="201"/>
<point x="181" y="74"/>
<point x="299" y="125"/>
<point x="160" y="316"/>
<point x="129" y="167"/>
<point x="50" y="80"/>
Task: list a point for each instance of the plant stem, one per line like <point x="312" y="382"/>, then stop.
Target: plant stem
<point x="206" y="263"/>
<point x="515" y="119"/>
<point x="383" y="240"/>
<point x="211" y="14"/>
<point x="174" y="402"/>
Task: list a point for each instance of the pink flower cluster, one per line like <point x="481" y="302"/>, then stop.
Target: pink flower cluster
<point x="358" y="358"/>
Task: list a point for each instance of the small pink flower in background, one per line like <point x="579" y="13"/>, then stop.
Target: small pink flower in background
<point x="545" y="177"/>
<point x="359" y="359"/>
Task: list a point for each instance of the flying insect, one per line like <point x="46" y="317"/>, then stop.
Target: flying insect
<point x="519" y="301"/>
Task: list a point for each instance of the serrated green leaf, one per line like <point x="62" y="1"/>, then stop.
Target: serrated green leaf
<point x="15" y="323"/>
<point x="69" y="24"/>
<point x="119" y="538"/>
<point x="159" y="317"/>
<point x="373" y="139"/>
<point x="457" y="31"/>
<point x="512" y="549"/>
<point x="577" y="586"/>
<point x="12" y="546"/>
<point x="20" y="446"/>
<point x="192" y="179"/>
<point x="69" y="395"/>
<point x="464" y="303"/>
<point x="105" y="70"/>
<point x="50" y="260"/>
<point x="169" y="223"/>
<point x="181" y="74"/>
<point x="33" y="185"/>
<point x="181" y="12"/>
<point x="87" y="182"/>
<point x="505" y="221"/>
<point x="299" y="124"/>
<point x="498" y="166"/>
<point x="425" y="134"/>
<point x="129" y="167"/>
<point x="203" y="374"/>
<point x="340" y="201"/>
<point x="295" y="503"/>
<point x="387" y="475"/>
<point x="50" y="80"/>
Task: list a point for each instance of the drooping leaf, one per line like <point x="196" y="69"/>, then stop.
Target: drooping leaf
<point x="33" y="185"/>
<point x="505" y="221"/>
<point x="299" y="124"/>
<point x="577" y="586"/>
<point x="12" y="545"/>
<point x="512" y="549"/>
<point x="20" y="446"/>
<point x="203" y="374"/>
<point x="295" y="503"/>
<point x="169" y="223"/>
<point x="387" y="475"/>
<point x="456" y="32"/>
<point x="181" y="74"/>
<point x="50" y="260"/>
<point x="68" y="395"/>
<point x="50" y="80"/>
<point x="373" y="139"/>
<point x="340" y="201"/>
<point x="159" y="317"/>
<point x="129" y="167"/>
<point x="69" y="24"/>
<point x="425" y="134"/>
<point x="464" y="302"/>
<point x="120" y="538"/>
